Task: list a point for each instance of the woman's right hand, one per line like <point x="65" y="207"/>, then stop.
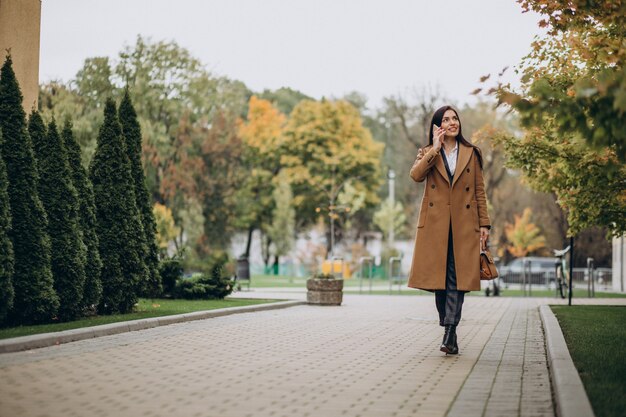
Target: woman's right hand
<point x="438" y="133"/>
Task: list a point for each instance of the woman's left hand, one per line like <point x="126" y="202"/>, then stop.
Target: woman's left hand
<point x="484" y="238"/>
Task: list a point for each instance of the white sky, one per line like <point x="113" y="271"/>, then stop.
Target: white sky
<point x="321" y="47"/>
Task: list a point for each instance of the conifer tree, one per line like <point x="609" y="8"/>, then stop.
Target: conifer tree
<point x="35" y="300"/>
<point x="86" y="219"/>
<point x="60" y="201"/>
<point x="132" y="135"/>
<point x="118" y="223"/>
<point x="6" y="248"/>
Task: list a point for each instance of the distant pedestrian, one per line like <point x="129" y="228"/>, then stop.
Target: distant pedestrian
<point x="453" y="223"/>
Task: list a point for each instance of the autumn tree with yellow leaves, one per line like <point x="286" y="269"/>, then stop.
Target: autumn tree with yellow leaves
<point x="572" y="105"/>
<point x="261" y="134"/>
<point x="524" y="237"/>
<point x="167" y="231"/>
<point x="325" y="147"/>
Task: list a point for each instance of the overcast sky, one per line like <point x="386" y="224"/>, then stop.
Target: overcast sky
<point x="321" y="47"/>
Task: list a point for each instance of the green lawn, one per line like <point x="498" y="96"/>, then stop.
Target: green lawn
<point x="595" y="337"/>
<point x="145" y="309"/>
<point x="274" y="281"/>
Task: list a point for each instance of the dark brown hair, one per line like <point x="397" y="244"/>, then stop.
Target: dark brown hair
<point x="436" y="120"/>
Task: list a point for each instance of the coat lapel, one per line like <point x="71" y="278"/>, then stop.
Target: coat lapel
<point x="465" y="152"/>
<point x="441" y="168"/>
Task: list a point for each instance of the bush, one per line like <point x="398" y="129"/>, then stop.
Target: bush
<point x="213" y="283"/>
<point x="170" y="270"/>
<point x="205" y="286"/>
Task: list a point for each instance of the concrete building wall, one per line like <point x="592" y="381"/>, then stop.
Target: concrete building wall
<point x="619" y="267"/>
<point x="20" y="24"/>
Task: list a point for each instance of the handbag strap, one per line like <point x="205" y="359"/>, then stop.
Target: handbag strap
<point x="487" y="253"/>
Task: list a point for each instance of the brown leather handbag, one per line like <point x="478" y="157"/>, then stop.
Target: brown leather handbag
<point x="488" y="270"/>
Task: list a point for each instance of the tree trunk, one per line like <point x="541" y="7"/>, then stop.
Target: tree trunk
<point x="249" y="243"/>
<point x="266" y="252"/>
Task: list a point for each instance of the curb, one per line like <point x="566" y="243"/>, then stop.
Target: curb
<point x="17" y="344"/>
<point x="569" y="393"/>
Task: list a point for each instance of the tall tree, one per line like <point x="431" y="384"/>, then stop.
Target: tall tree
<point x="284" y="98"/>
<point x="6" y="248"/>
<point x="118" y="223"/>
<point x="166" y="83"/>
<point x="261" y="134"/>
<point x="325" y="147"/>
<point x="221" y="157"/>
<point x="412" y="116"/>
<point x="132" y="135"/>
<point x="60" y="200"/>
<point x="35" y="299"/>
<point x="572" y="103"/>
<point x="282" y="229"/>
<point x="202" y="180"/>
<point x="86" y="219"/>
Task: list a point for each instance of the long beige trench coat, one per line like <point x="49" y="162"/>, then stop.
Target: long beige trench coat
<point x="462" y="204"/>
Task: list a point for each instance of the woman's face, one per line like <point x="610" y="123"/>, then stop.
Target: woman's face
<point x="450" y="123"/>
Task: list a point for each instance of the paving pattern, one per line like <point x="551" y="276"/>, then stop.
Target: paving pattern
<point x="372" y="356"/>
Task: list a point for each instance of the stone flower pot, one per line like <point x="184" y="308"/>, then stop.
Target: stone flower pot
<point x="324" y="290"/>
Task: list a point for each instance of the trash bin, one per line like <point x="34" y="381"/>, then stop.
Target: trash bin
<point x="243" y="269"/>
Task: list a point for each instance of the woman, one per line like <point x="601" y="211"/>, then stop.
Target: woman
<point x="453" y="223"/>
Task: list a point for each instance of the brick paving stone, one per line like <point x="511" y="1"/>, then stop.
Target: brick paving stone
<point x="373" y="356"/>
<point x="511" y="376"/>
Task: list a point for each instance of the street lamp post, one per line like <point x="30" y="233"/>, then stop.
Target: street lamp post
<point x="391" y="175"/>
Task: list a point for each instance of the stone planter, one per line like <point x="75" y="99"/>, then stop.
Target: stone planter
<point x="324" y="291"/>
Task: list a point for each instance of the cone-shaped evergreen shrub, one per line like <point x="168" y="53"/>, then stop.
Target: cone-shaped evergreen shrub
<point x="132" y="135"/>
<point x="6" y="248"/>
<point x="86" y="219"/>
<point x="60" y="200"/>
<point x="119" y="226"/>
<point x="35" y="299"/>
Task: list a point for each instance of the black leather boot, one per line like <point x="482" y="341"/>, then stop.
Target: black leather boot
<point x="449" y="344"/>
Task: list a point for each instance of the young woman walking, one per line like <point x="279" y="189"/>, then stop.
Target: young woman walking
<point x="453" y="223"/>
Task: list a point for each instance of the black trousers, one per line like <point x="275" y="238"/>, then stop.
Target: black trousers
<point x="449" y="301"/>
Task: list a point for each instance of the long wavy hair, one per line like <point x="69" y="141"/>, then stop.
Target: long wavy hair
<point x="436" y="120"/>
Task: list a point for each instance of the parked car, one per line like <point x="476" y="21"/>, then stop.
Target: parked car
<point x="542" y="270"/>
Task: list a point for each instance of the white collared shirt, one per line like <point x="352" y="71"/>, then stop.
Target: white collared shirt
<point x="452" y="157"/>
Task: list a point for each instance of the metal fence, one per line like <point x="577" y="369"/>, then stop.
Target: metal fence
<point x="602" y="278"/>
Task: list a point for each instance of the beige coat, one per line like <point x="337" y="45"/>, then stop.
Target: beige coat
<point x="465" y="205"/>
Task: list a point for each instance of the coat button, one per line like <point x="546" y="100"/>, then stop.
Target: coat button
<point x="468" y="206"/>
<point x="466" y="188"/>
<point x="467" y="169"/>
<point x="430" y="204"/>
<point x="432" y="186"/>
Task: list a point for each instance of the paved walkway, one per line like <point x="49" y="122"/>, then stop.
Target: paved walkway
<point x="373" y="356"/>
